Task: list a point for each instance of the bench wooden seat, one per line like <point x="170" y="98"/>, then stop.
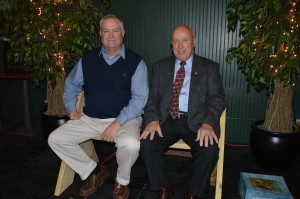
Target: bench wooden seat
<point x="66" y="174"/>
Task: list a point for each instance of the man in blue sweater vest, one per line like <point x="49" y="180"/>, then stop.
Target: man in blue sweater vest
<point x="115" y="84"/>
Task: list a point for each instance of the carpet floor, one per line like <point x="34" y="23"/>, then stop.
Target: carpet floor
<point x="29" y="169"/>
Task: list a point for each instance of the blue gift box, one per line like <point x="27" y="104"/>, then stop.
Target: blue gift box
<point x="259" y="186"/>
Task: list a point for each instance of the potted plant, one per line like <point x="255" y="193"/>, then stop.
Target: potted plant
<point x="268" y="54"/>
<point x="48" y="36"/>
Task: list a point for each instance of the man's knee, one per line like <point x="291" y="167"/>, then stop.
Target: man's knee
<point x="52" y="139"/>
<point x="131" y="144"/>
<point x="55" y="138"/>
<point x="147" y="148"/>
<point x="210" y="151"/>
<point x="145" y="144"/>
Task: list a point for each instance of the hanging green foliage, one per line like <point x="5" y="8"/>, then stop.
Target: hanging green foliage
<point x="269" y="47"/>
<point x="47" y="35"/>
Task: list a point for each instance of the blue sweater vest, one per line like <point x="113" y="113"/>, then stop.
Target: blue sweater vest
<point x="107" y="89"/>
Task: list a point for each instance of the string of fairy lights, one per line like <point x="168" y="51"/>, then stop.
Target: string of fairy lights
<point x="59" y="56"/>
<point x="293" y="27"/>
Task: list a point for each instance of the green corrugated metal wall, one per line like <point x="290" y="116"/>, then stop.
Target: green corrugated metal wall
<point x="148" y="25"/>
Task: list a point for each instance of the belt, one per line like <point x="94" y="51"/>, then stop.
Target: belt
<point x="182" y="115"/>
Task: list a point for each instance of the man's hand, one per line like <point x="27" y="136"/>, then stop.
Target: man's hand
<point x="152" y="128"/>
<point x="206" y="133"/>
<point x="75" y="115"/>
<point x="111" y="131"/>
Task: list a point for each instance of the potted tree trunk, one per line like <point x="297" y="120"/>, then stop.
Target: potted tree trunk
<point x="48" y="36"/>
<point x="268" y="54"/>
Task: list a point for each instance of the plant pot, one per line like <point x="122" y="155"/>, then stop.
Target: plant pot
<point x="274" y="151"/>
<point x="50" y="123"/>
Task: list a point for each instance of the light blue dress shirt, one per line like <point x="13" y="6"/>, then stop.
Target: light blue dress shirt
<point x="139" y="87"/>
<point x="185" y="90"/>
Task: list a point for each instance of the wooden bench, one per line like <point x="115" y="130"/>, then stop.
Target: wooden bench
<point x="66" y="174"/>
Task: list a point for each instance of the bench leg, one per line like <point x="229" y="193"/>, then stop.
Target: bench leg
<point x="89" y="149"/>
<point x="219" y="177"/>
<point x="213" y="177"/>
<point x="65" y="178"/>
<point x="66" y="174"/>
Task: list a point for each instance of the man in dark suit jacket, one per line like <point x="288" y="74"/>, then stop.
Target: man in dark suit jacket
<point x="201" y="103"/>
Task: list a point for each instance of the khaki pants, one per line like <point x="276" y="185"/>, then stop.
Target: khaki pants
<point x="65" y="141"/>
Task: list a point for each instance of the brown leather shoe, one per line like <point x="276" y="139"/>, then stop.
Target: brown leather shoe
<point x="190" y="195"/>
<point x="94" y="181"/>
<point x="165" y="193"/>
<point x="120" y="191"/>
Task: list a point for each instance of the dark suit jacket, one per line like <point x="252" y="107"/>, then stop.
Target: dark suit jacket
<point x="206" y="98"/>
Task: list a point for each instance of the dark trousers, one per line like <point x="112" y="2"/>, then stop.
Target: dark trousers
<point x="204" y="159"/>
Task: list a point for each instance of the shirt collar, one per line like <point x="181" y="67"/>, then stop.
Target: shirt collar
<point x="188" y="62"/>
<point x="121" y="53"/>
